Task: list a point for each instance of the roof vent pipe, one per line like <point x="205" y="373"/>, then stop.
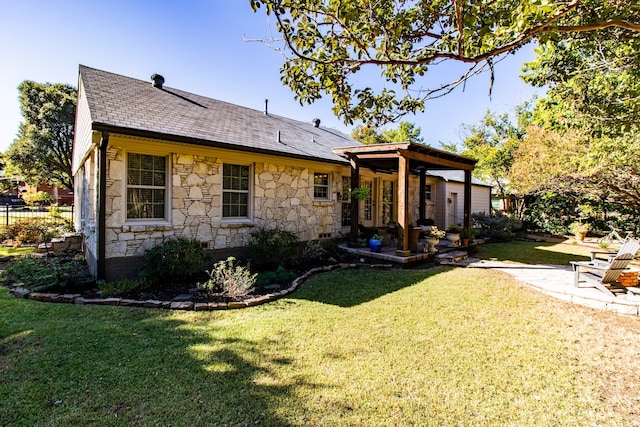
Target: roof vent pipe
<point x="279" y="140"/>
<point x="157" y="81"/>
<point x="266" y="107"/>
<point x="316" y="123"/>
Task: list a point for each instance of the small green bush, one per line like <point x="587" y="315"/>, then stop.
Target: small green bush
<point x="281" y="276"/>
<point x="276" y="246"/>
<point x="229" y="278"/>
<point x="313" y="254"/>
<point x="121" y="287"/>
<point x="173" y="260"/>
<point x="48" y="273"/>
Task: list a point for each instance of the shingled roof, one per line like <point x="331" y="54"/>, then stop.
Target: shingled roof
<point x="130" y="106"/>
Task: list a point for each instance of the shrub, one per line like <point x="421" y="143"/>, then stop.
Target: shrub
<point x="229" y="278"/>
<point x="36" y="198"/>
<point x="313" y="253"/>
<point x="34" y="230"/>
<point x="281" y="276"/>
<point x="498" y="227"/>
<point x="275" y="246"/>
<point x="174" y="259"/>
<point x="46" y="273"/>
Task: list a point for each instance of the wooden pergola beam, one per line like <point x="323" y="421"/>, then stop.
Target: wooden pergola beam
<point x="435" y="161"/>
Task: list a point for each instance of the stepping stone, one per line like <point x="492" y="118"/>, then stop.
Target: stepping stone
<point x="451" y="257"/>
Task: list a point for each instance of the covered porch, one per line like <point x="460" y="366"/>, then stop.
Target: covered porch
<point x="404" y="160"/>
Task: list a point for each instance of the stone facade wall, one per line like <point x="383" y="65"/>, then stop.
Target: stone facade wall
<point x="282" y="195"/>
<point x="84" y="219"/>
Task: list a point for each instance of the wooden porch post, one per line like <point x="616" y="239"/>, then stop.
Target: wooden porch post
<point x="423" y="185"/>
<point x="467" y="199"/>
<point x="355" y="203"/>
<point x="403" y="211"/>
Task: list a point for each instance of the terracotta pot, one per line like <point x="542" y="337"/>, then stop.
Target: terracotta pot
<point x="414" y="236"/>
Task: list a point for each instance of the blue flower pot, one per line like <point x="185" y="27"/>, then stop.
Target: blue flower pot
<point x="375" y="245"/>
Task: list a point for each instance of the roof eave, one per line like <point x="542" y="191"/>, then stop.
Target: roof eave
<point x="104" y="127"/>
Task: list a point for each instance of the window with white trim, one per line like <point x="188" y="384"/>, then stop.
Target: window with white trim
<point x="321" y="186"/>
<point x="235" y="191"/>
<point x="146" y="186"/>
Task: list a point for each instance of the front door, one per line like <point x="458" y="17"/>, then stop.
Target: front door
<point x="453" y="212"/>
<point x="367" y="215"/>
<point x="389" y="207"/>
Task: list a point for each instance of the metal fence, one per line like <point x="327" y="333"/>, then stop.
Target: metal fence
<point x="10" y="214"/>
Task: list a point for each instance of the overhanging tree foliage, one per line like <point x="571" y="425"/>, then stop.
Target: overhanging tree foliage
<point x="42" y="151"/>
<point x="326" y="43"/>
<point x="592" y="113"/>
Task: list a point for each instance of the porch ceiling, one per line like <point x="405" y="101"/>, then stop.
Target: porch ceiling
<point x="384" y="157"/>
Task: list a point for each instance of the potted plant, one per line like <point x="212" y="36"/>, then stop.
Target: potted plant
<point x="433" y="237"/>
<point x="375" y="243"/>
<point x="467" y="235"/>
<point x="360" y="193"/>
<point x="579" y="230"/>
<point x="453" y="234"/>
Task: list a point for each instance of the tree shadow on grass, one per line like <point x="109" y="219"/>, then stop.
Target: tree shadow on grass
<point x="348" y="288"/>
<point x="84" y="365"/>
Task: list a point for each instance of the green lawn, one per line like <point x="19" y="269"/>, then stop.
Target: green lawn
<point x="441" y="347"/>
<point x="536" y="252"/>
<point x="11" y="251"/>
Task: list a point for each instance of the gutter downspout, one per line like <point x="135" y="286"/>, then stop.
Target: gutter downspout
<point x="102" y="205"/>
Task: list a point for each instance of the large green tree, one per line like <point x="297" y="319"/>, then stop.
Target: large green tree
<point x="405" y="132"/>
<point x="328" y="44"/>
<point x="492" y="141"/>
<point x="592" y="111"/>
<point x="42" y="151"/>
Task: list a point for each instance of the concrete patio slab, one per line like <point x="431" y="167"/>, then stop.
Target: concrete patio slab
<point x="557" y="281"/>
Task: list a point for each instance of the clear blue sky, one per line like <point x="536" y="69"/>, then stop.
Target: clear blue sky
<point x="198" y="46"/>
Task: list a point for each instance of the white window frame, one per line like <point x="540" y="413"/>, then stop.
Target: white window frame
<point x="166" y="188"/>
<point x="428" y="192"/>
<point x="327" y="187"/>
<point x="248" y="192"/>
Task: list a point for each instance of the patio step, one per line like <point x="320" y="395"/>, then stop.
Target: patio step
<point x="450" y="258"/>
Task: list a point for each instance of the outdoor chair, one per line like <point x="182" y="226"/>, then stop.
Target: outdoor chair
<point x="631" y="246"/>
<point x="603" y="275"/>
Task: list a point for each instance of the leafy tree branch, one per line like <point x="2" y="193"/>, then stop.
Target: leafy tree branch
<point x="327" y="43"/>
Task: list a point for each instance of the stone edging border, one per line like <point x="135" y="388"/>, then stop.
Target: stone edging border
<point x="19" y="292"/>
